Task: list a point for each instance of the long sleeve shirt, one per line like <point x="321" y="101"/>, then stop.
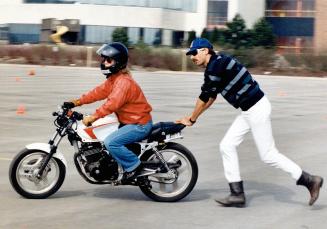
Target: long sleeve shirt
<point x="232" y="80"/>
<point x="124" y="97"/>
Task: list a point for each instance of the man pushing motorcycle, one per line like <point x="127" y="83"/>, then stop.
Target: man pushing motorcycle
<point x="226" y="76"/>
<point x="123" y="97"/>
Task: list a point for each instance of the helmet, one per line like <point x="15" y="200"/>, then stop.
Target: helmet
<point x="116" y="51"/>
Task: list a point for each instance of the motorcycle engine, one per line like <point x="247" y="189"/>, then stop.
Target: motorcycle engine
<point x="99" y="164"/>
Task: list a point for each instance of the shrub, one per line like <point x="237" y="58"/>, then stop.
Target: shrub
<point x="163" y="58"/>
<point x="191" y="37"/>
<point x="159" y="57"/>
<point x="262" y="34"/>
<point x="252" y="57"/>
<point x="315" y="63"/>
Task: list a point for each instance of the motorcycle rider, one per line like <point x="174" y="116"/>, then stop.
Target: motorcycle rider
<point x="125" y="98"/>
<point x="225" y="75"/>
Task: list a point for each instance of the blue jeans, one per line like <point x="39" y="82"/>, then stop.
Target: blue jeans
<point x="115" y="144"/>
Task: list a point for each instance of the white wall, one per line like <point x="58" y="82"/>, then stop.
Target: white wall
<point x="12" y="12"/>
<point x="250" y="10"/>
<point x="11" y="2"/>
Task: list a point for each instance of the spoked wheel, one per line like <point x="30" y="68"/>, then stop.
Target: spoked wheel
<point x="176" y="183"/>
<point x="23" y="174"/>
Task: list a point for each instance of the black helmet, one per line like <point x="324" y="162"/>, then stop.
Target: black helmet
<point x="116" y="51"/>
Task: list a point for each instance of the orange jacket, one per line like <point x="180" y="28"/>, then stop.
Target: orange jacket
<point x="124" y="98"/>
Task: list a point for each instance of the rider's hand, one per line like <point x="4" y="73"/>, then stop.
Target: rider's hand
<point x="186" y="121"/>
<point x="88" y="120"/>
<point x="71" y="104"/>
<point x="76" y="102"/>
<point x="68" y="105"/>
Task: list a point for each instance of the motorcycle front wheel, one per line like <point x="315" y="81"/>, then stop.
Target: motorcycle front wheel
<point x="173" y="188"/>
<point x="23" y="174"/>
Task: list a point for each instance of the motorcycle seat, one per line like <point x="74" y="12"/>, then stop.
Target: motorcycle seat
<point x="161" y="129"/>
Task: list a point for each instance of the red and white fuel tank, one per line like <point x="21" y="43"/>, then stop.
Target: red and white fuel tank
<point x="99" y="130"/>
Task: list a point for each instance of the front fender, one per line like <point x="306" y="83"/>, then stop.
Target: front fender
<point x="46" y="148"/>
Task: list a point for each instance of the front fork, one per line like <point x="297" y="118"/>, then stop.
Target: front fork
<point x="54" y="142"/>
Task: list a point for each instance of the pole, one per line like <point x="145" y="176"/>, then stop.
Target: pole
<point x="89" y="56"/>
<point x="184" y="61"/>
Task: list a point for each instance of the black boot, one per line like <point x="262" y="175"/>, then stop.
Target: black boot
<point x="313" y="184"/>
<point x="236" y="198"/>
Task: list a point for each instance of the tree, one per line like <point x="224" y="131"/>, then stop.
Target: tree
<point x="120" y="35"/>
<point x="262" y="34"/>
<point x="205" y="34"/>
<point x="214" y="36"/>
<point x="191" y="37"/>
<point x="217" y="36"/>
<point x="237" y="34"/>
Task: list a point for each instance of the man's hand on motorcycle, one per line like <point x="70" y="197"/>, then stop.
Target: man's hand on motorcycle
<point x="185" y="120"/>
<point x="88" y="120"/>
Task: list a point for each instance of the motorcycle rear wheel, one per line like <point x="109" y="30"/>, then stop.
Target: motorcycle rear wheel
<point x="164" y="190"/>
<point x="23" y="170"/>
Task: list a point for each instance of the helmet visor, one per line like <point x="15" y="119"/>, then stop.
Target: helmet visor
<point x="107" y="51"/>
<point x="99" y="51"/>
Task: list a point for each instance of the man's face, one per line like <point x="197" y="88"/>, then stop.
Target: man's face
<point x="199" y="57"/>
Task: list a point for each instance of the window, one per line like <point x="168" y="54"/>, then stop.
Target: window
<point x="217" y="12"/>
<point x="290" y="8"/>
<point x="182" y="5"/>
<point x="3" y="32"/>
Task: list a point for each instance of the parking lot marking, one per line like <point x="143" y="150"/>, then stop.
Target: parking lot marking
<point x="5" y="159"/>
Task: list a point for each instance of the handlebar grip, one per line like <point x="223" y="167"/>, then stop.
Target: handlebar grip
<point x="68" y="105"/>
<point x="78" y="116"/>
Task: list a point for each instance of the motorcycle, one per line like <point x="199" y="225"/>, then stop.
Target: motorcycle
<point x="169" y="171"/>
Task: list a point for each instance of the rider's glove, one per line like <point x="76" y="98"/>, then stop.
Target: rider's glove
<point x="68" y="105"/>
<point x="76" y="102"/>
<point x="88" y="120"/>
<point x="72" y="104"/>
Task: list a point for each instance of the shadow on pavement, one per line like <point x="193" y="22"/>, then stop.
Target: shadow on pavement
<point x="134" y="193"/>
<point x="280" y="193"/>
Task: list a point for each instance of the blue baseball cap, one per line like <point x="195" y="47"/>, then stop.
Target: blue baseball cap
<point x="199" y="43"/>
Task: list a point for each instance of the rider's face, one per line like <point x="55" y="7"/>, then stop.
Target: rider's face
<point x="199" y="57"/>
<point x="108" y="62"/>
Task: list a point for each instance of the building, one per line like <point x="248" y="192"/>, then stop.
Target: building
<point x="163" y="22"/>
<point x="300" y="25"/>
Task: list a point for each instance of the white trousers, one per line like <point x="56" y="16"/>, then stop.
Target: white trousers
<point x="257" y="120"/>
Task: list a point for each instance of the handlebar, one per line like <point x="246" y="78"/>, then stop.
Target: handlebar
<point x="65" y="114"/>
<point x="77" y="116"/>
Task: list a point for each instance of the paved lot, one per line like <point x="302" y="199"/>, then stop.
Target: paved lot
<point x="274" y="201"/>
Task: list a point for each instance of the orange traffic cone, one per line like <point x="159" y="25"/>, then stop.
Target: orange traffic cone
<point x="282" y="93"/>
<point x="20" y="110"/>
<point x="31" y="72"/>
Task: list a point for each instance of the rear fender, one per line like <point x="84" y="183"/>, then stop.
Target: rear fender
<point x="46" y="148"/>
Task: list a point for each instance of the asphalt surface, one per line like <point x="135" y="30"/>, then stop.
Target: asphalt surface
<point x="273" y="200"/>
